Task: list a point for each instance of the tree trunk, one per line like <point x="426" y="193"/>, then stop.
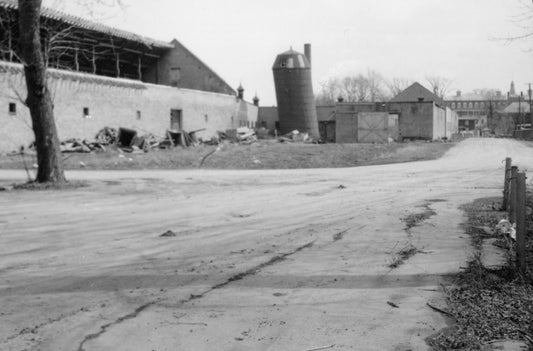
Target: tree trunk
<point x="39" y="99"/>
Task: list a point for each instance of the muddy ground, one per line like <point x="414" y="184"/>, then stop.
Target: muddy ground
<point x="338" y="259"/>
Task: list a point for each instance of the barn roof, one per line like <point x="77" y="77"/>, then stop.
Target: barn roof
<point x="416" y="92"/>
<point x="91" y="26"/>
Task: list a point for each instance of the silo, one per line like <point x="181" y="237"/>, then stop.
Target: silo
<point x="294" y="92"/>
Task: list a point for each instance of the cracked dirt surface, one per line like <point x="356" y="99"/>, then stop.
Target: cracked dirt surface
<point x="261" y="260"/>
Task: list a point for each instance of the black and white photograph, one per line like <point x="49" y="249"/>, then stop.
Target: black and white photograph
<point x="281" y="175"/>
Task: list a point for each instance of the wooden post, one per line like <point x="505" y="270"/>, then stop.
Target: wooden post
<point x="10" y="45"/>
<point x="139" y="68"/>
<point x="94" y="61"/>
<point x="117" y="57"/>
<point x="507" y="176"/>
<point x="512" y="205"/>
<point x="521" y="222"/>
<point x="76" y="60"/>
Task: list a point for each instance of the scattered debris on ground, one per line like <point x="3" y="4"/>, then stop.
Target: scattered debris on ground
<point x="403" y="255"/>
<point x="167" y="234"/>
<point x="414" y="219"/>
<point x="489" y="305"/>
<point x="295" y="136"/>
<point x="392" y="304"/>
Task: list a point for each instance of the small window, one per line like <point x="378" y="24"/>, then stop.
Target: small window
<point x="175" y="76"/>
<point x="206" y="118"/>
<point x="86" y="113"/>
<point x="12" y="108"/>
<point x="138" y="114"/>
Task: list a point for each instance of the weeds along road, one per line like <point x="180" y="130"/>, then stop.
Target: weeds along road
<point x="260" y="260"/>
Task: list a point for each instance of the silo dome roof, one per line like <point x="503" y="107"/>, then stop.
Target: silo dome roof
<point x="291" y="59"/>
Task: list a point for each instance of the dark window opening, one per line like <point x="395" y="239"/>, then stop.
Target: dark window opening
<point x="12" y="108"/>
<point x="138" y="114"/>
<point x="86" y="112"/>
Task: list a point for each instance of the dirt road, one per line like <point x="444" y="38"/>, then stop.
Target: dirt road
<point x="337" y="259"/>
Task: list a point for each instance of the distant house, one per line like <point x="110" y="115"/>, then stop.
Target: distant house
<point x="422" y="114"/>
<point x="474" y="110"/>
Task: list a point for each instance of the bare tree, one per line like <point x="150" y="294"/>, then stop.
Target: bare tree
<point x="376" y="91"/>
<point x="41" y="42"/>
<point x="524" y="21"/>
<point x="355" y="88"/>
<point x="397" y="85"/>
<point x="329" y="92"/>
<point x="39" y="100"/>
<point x="439" y="85"/>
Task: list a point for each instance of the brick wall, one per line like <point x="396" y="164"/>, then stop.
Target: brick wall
<point x="115" y="103"/>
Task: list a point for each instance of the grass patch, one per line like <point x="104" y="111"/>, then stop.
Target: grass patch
<point x="34" y="186"/>
<point x="265" y="154"/>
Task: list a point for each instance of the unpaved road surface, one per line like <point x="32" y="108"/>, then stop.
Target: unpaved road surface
<point x="259" y="260"/>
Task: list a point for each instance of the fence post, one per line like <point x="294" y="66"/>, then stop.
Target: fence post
<point x="507" y="176"/>
<point x="520" y="210"/>
<point x="512" y="196"/>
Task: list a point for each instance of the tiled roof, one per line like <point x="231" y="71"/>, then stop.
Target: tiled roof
<point x="89" y="25"/>
<point x="416" y="93"/>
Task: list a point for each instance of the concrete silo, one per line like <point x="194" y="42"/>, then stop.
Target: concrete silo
<point x="294" y="92"/>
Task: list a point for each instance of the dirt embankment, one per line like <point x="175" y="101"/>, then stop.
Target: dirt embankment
<point x="265" y="154"/>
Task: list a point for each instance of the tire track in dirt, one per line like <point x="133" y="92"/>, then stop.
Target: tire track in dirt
<point x="239" y="276"/>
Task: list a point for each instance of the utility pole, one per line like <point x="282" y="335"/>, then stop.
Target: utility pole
<point x="530" y="112"/>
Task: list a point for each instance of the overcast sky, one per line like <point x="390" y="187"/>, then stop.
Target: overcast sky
<point x="240" y="39"/>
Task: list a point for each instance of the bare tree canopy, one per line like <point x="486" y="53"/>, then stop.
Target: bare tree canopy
<point x="524" y="21"/>
<point x="397" y="85"/>
<point x="439" y="85"/>
<point x="369" y="87"/>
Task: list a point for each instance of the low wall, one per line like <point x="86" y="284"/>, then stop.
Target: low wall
<point x="526" y="134"/>
<point x="115" y="103"/>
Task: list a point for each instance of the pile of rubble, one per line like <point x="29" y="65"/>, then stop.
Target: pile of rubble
<point x="295" y="136"/>
<point x="128" y="140"/>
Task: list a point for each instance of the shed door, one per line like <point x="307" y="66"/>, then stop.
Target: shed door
<point x="175" y="120"/>
<point x="373" y="127"/>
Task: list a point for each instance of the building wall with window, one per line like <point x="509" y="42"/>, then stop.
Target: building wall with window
<point x="85" y="103"/>
<point x="473" y="110"/>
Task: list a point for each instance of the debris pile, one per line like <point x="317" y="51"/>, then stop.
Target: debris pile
<point x="129" y="140"/>
<point x="107" y="136"/>
<point x="295" y="136"/>
<point x="246" y="135"/>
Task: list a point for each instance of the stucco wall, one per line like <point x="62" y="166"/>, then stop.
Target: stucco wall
<point x="452" y="122"/>
<point x="180" y="67"/>
<point x="439" y="122"/>
<point x="415" y="120"/>
<point x="115" y="103"/>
